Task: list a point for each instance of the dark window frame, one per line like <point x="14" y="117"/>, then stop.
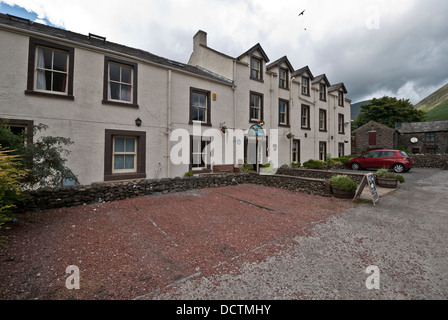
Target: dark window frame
<point x="260" y="60"/>
<point x="298" y="153"/>
<point x="341" y="98"/>
<point x="341" y="123"/>
<point x="28" y="124"/>
<point x="431" y="136"/>
<point x="341" y="145"/>
<point x="209" y="106"/>
<point x="208" y="166"/>
<point x="324" y="112"/>
<point x="106" y="100"/>
<point x="108" y="154"/>
<point x="286" y="71"/>
<point x="308" y="93"/>
<point x="31" y="90"/>
<point x="307" y="107"/>
<point x="322" y="91"/>
<point x="286" y="102"/>
<point x="323" y="155"/>
<point x="253" y="93"/>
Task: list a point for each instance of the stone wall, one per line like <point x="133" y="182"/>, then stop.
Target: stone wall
<point x="431" y="160"/>
<point x="45" y="199"/>
<point x="319" y="174"/>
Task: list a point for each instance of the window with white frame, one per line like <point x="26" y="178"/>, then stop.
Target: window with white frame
<point x="296" y="151"/>
<point x="323" y="151"/>
<point x="323" y="92"/>
<point x="120" y="82"/>
<point x="255" y="68"/>
<point x="305" y="86"/>
<point x="341" y="124"/>
<point x="341" y="150"/>
<point x="256" y="107"/>
<point x="200" y="105"/>
<point x="283" y="76"/>
<point x="198" y="154"/>
<point x="305" y="117"/>
<point x="124" y="155"/>
<point x="322" y="120"/>
<point x="51" y="70"/>
<point x="283" y="110"/>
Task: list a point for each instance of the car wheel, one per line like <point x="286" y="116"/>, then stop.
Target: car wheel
<point x="398" y="168"/>
<point x="355" y="166"/>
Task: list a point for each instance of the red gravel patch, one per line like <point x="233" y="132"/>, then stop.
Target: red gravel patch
<point x="131" y="248"/>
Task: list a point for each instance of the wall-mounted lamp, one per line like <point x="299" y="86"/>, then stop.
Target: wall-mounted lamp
<point x="306" y="135"/>
<point x="138" y="122"/>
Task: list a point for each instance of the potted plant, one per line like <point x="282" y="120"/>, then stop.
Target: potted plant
<point x="343" y="186"/>
<point x="387" y="179"/>
<point x="223" y="128"/>
<point x="290" y="135"/>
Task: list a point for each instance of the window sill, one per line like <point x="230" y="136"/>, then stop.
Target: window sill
<point x="258" y="80"/>
<point x="284" y="125"/>
<point x="205" y="124"/>
<point x="120" y="104"/>
<point x="49" y="95"/>
<point x="124" y="176"/>
<point x="305" y="128"/>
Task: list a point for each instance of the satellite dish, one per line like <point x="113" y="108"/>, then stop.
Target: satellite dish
<point x="414" y="140"/>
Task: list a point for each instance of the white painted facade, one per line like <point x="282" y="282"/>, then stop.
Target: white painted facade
<point x="164" y="92"/>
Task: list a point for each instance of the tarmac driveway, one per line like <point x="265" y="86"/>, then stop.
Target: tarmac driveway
<point x="405" y="237"/>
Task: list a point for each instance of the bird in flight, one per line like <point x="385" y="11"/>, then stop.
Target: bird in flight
<point x="301" y="14"/>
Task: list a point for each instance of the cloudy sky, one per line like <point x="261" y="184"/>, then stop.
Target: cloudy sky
<point x="376" y="47"/>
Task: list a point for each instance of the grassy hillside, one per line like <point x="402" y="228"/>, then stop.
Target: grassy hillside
<point x="435" y="105"/>
<point x="439" y="112"/>
<point x="434" y="99"/>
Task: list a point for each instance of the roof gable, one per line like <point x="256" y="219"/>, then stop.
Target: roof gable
<point x="279" y="62"/>
<point x="338" y="87"/>
<point x="321" y="78"/>
<point x="302" y="71"/>
<point x="256" y="47"/>
<point x="374" y="125"/>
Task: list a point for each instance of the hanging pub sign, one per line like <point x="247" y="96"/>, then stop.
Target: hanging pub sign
<point x="369" y="179"/>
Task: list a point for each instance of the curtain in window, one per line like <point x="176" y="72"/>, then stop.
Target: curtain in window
<point x="41" y="80"/>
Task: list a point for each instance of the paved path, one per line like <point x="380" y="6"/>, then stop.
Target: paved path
<point x="405" y="236"/>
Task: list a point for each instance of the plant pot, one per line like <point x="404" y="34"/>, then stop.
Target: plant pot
<point x="343" y="194"/>
<point x="387" y="182"/>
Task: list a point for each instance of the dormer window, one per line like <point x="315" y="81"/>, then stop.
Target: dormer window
<point x="305" y="86"/>
<point x="323" y="92"/>
<point x="341" y="99"/>
<point x="283" y="78"/>
<point x="255" y="68"/>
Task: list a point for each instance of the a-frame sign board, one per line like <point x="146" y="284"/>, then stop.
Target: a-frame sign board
<point x="369" y="179"/>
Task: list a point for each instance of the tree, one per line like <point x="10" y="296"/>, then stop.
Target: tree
<point x="44" y="159"/>
<point x="388" y="111"/>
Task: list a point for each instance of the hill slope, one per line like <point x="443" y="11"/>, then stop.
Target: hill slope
<point x="356" y="109"/>
<point x="435" y="105"/>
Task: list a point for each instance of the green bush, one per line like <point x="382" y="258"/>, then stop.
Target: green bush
<point x="295" y="165"/>
<point x="11" y="175"/>
<point x="344" y="160"/>
<point x="384" y="173"/>
<point x="188" y="174"/>
<point x="313" y="164"/>
<point x="343" y="182"/>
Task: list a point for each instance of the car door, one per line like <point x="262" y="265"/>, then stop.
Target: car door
<point x="369" y="159"/>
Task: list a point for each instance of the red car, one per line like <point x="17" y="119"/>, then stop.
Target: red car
<point x="395" y="160"/>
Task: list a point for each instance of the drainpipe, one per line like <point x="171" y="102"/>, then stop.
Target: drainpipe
<point x="168" y="126"/>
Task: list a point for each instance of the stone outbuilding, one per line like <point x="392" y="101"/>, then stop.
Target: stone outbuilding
<point x="373" y="135"/>
<point x="424" y="137"/>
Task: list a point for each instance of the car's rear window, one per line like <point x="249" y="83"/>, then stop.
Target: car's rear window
<point x="404" y="154"/>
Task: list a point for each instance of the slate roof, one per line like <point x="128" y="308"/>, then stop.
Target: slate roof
<point x="253" y="49"/>
<point x="62" y="34"/>
<point x="429" y="126"/>
<point x="320" y="78"/>
<point x="302" y="71"/>
<point x="278" y="62"/>
<point x="337" y="87"/>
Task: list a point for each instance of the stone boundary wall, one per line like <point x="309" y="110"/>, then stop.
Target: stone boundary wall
<point x="44" y="199"/>
<point x="319" y="174"/>
<point x="431" y="160"/>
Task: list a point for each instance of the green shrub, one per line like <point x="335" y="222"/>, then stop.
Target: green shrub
<point x="384" y="173"/>
<point x="313" y="164"/>
<point x="11" y="175"/>
<point x="344" y="160"/>
<point x="343" y="182"/>
<point x="188" y="174"/>
<point x="295" y="165"/>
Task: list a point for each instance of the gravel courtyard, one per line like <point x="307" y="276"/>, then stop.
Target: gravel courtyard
<point x="244" y="242"/>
